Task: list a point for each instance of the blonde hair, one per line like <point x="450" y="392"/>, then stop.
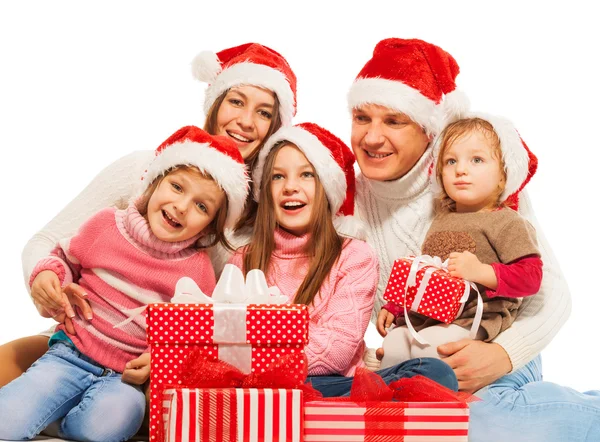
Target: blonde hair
<point x="324" y="245"/>
<point x="217" y="226"/>
<point x="452" y="133"/>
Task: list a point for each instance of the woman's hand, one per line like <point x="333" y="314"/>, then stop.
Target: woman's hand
<point x="475" y="363"/>
<point x="137" y="371"/>
<point x="71" y="295"/>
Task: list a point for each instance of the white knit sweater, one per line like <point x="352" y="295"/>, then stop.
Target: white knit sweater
<point x="398" y="214"/>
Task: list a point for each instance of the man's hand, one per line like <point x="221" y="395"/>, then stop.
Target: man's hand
<point x="384" y="320"/>
<point x="475" y="363"/>
<point x="137" y="371"/>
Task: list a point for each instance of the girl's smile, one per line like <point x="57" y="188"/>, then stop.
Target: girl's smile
<point x="183" y="205"/>
<point x="293" y="189"/>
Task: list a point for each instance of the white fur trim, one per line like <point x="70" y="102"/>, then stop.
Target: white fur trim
<point x="206" y="66"/>
<point x="398" y="96"/>
<point x="228" y="173"/>
<point x="455" y="106"/>
<point x="350" y="227"/>
<point x="514" y="154"/>
<point x="330" y="173"/>
<point x="254" y="75"/>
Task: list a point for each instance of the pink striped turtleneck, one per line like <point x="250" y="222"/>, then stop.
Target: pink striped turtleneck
<point x="122" y="265"/>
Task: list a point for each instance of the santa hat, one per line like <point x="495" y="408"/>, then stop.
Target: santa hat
<point x="248" y="64"/>
<point x="520" y="164"/>
<point x="214" y="155"/>
<point x="333" y="162"/>
<point x="413" y="77"/>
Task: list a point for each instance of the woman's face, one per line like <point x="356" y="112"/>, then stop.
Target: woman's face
<point x="245" y="117"/>
<point x="386" y="143"/>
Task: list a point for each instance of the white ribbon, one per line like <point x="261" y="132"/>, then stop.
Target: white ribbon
<point x="230" y="299"/>
<point x="433" y="264"/>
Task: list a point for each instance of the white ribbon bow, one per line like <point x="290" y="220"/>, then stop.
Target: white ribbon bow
<point x="433" y="264"/>
<point x="230" y="289"/>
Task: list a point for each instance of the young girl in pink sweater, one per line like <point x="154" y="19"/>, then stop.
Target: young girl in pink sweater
<point x="309" y="245"/>
<point x="125" y="259"/>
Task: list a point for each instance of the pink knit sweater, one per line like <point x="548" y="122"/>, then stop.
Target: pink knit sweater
<point x="121" y="265"/>
<point x="340" y="313"/>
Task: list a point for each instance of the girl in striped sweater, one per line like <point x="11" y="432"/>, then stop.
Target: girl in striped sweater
<point x="125" y="259"/>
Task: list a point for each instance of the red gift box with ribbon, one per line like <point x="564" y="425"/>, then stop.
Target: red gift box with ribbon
<point x="233" y="415"/>
<point x="243" y="324"/>
<point x="250" y="337"/>
<point x="423" y="285"/>
<point x="327" y="421"/>
<point x="410" y="409"/>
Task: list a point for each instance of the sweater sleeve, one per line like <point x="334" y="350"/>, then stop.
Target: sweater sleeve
<point x="520" y="278"/>
<point x="112" y="186"/>
<point x="66" y="258"/>
<point x="338" y="325"/>
<point x="541" y="316"/>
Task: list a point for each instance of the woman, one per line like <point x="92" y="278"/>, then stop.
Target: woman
<point x="251" y="93"/>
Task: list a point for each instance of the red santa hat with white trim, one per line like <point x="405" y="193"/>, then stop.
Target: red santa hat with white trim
<point x="249" y="64"/>
<point x="333" y="162"/>
<point x="520" y="164"/>
<point x="213" y="155"/>
<point x="413" y="77"/>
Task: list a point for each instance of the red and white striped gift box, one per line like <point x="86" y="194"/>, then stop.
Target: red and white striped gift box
<point x="233" y="415"/>
<point x="326" y="421"/>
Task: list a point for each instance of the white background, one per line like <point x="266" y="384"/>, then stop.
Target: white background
<point x="82" y="84"/>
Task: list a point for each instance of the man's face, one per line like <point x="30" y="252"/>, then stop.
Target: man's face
<point x="386" y="143"/>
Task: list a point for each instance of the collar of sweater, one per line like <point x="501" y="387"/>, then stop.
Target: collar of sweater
<point x="415" y="182"/>
<point x="138" y="231"/>
<point x="288" y="245"/>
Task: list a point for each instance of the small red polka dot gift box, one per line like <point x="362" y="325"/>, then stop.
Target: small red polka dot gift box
<point x="250" y="336"/>
<point x="423" y="284"/>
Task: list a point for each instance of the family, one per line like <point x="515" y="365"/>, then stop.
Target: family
<point x="255" y="190"/>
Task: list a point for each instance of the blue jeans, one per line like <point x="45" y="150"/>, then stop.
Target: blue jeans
<point x="521" y="407"/>
<point x="92" y="401"/>
<point x="435" y="369"/>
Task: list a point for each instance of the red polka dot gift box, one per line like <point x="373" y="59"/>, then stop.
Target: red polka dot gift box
<point x="250" y="338"/>
<point x="423" y="285"/>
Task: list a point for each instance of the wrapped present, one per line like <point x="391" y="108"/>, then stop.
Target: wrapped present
<point x="423" y="284"/>
<point x="233" y="415"/>
<point x="409" y="409"/>
<point x="250" y="336"/>
<point x="390" y="421"/>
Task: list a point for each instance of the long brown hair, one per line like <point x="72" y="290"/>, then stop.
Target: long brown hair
<point x="248" y="216"/>
<point x="324" y="245"/>
<point x="216" y="229"/>
<point x="449" y="136"/>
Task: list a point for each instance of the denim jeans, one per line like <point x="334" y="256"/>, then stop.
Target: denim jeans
<point x="521" y="407"/>
<point x="93" y="403"/>
<point x="435" y="369"/>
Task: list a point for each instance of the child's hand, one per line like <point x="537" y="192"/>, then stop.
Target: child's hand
<point x="384" y="320"/>
<point x="137" y="371"/>
<point x="465" y="265"/>
<point x="48" y="295"/>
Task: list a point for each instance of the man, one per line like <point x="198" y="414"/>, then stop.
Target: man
<point x="399" y="102"/>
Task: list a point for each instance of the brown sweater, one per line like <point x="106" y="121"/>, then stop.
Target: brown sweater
<point x="499" y="236"/>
